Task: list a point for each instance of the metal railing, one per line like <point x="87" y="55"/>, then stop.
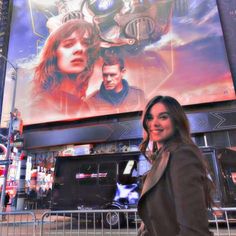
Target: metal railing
<point x="90" y="222"/>
<point x="18" y="223"/>
<point x="222" y="221"/>
<point x="96" y="222"/>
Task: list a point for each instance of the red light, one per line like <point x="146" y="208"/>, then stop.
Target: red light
<point x="22" y="156"/>
<point x="2" y="171"/>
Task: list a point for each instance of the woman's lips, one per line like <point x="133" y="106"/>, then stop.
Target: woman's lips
<point x="77" y="61"/>
<point x="156" y="131"/>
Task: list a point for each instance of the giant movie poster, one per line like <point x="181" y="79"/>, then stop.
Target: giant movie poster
<point x="84" y="58"/>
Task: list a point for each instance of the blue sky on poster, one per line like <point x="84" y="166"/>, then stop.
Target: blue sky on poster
<point x="202" y="21"/>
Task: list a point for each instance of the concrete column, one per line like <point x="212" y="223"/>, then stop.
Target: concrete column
<point x="21" y="186"/>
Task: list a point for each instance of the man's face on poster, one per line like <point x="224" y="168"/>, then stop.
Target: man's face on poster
<point x="112" y="77"/>
<point x="72" y="56"/>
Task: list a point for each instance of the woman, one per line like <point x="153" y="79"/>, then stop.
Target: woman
<point x="66" y="64"/>
<point x="176" y="191"/>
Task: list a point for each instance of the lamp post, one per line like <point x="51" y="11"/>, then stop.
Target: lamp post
<point x="7" y="158"/>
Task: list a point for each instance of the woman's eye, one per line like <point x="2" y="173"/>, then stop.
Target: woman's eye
<point x="67" y="45"/>
<point x="149" y="117"/>
<point x="164" y="117"/>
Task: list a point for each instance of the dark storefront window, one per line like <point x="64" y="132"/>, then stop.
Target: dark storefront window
<point x="198" y="139"/>
<point x="232" y="137"/>
<point x="230" y="174"/>
<point x="127" y="172"/>
<point x="107" y="174"/>
<point x="218" y="139"/>
<point x="87" y="174"/>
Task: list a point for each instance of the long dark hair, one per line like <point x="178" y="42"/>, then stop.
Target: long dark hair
<point x="181" y="134"/>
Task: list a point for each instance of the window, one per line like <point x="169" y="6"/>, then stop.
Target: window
<point x="232" y="137"/>
<point x="230" y="178"/>
<point x="213" y="174"/>
<point x="198" y="139"/>
<point x="87" y="174"/>
<point x="107" y="173"/>
<point x="220" y="139"/>
<point x="127" y="173"/>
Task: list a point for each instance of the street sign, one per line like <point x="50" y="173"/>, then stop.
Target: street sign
<point x="5" y="162"/>
<point x="18" y="142"/>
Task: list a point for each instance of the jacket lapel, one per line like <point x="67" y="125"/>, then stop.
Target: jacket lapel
<point x="156" y="172"/>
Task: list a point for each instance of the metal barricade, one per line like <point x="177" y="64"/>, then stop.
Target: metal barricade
<point x="90" y="222"/>
<point x="120" y="222"/>
<point x="96" y="222"/>
<point x="18" y="223"/>
<point x="222" y="221"/>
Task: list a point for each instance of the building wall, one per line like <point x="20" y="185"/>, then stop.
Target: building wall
<point x="204" y="121"/>
<point x="5" y="17"/>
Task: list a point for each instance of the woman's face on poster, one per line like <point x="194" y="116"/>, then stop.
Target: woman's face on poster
<point x="72" y="56"/>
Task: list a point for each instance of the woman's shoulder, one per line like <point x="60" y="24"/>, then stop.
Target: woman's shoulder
<point x="183" y="149"/>
<point x="179" y="146"/>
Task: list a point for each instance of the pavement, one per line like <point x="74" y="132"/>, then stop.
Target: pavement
<point x="12" y="216"/>
<point x="26" y="216"/>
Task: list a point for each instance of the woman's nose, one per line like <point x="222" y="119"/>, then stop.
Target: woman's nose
<point x="156" y="122"/>
<point x="78" y="48"/>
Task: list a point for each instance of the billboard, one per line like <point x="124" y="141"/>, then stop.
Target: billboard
<point x="78" y="59"/>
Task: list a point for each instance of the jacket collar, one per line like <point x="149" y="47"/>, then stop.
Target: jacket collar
<point x="156" y="172"/>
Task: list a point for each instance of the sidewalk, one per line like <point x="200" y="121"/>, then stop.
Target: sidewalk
<point x="11" y="216"/>
<point x="21" y="217"/>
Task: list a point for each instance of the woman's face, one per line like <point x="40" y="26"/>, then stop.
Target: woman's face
<point x="160" y="125"/>
<point x="72" y="56"/>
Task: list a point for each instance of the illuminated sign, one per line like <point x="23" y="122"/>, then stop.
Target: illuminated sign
<point x="93" y="175"/>
<point x="66" y="52"/>
<point x="5" y="162"/>
<point x="76" y="150"/>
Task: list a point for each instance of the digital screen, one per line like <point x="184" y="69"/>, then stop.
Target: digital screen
<point x="78" y="59"/>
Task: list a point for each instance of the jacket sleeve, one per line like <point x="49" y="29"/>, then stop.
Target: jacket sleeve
<point x="186" y="174"/>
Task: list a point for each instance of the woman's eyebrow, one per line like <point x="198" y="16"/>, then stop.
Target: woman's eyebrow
<point x="68" y="39"/>
<point x="160" y="114"/>
<point x="165" y="113"/>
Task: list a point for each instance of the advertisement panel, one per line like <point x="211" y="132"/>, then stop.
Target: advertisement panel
<point x="78" y="59"/>
<point x="227" y="10"/>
